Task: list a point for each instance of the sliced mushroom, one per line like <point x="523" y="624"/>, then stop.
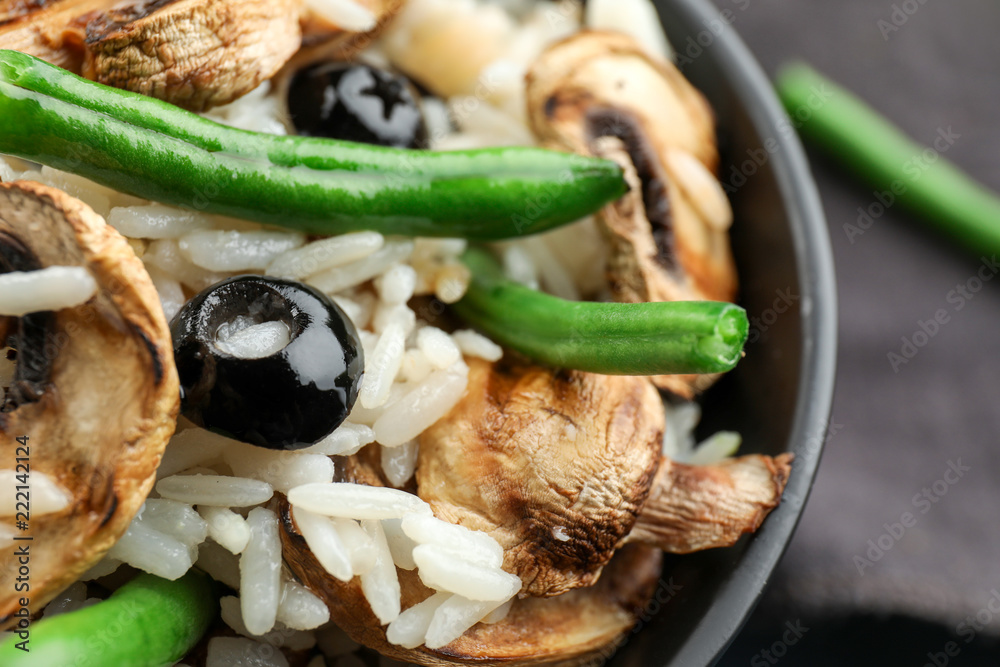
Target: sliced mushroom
<point x="95" y="390"/>
<point x="193" y="53"/>
<point x="568" y="630"/>
<point x="554" y="465"/>
<point x="598" y="93"/>
<point x="563" y="469"/>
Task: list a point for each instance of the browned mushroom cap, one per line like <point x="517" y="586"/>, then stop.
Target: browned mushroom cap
<point x="599" y="93"/>
<point x="571" y="629"/>
<point x="193" y="53"/>
<point x="562" y="467"/>
<point x="554" y="465"/>
<point x="95" y="389"/>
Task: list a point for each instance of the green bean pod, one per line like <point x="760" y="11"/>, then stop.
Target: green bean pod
<point x="148" y="622"/>
<point x="151" y="149"/>
<point x="608" y="338"/>
<point x="876" y="151"/>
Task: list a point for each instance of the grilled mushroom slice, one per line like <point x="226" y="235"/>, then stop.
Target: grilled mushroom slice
<point x="598" y="93"/>
<point x="564" y="470"/>
<point x="194" y="53"/>
<point x="567" y="630"/>
<point x="95" y="392"/>
<point x="563" y="467"/>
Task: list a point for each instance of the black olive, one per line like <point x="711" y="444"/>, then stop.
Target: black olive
<point x="356" y="102"/>
<point x="289" y="399"/>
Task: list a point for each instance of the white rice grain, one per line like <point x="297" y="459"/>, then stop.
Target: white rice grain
<point x="169" y="290"/>
<point x="190" y="448"/>
<point x="415" y="367"/>
<point x="438" y="347"/>
<point x="242" y="652"/>
<point x="226" y="527"/>
<point x="219" y="564"/>
<point x="279" y="636"/>
<point x="386" y="315"/>
<point x="475" y="344"/>
<point x="260" y="572"/>
<point x="244" y="339"/>
<point x="396" y="285"/>
<point x="51" y="288"/>
<point x="93" y="195"/>
<point x="342" y="277"/>
<point x="165" y="255"/>
<point x="346" y="14"/>
<point x="346" y="439"/>
<point x="101" y="568"/>
<point x="715" y="448"/>
<point x="382" y="366"/>
<point x="356" y="501"/>
<point x="282" y="470"/>
<point x="151" y="551"/>
<point x="324" y="542"/>
<point x="400" y="545"/>
<point x="554" y="276"/>
<point x="454" y="617"/>
<point x="439" y="569"/>
<point x="498" y="614"/>
<point x="472" y="546"/>
<point x="219" y="490"/>
<point x="325" y="254"/>
<point x="381" y="585"/>
<point x="156" y="221"/>
<point x="410" y="627"/>
<point x="178" y="520"/>
<point x="299" y="608"/>
<point x="420" y="407"/>
<point x="399" y="463"/>
<point x="359" y="545"/>
<point x="218" y="250"/>
<point x="519" y="266"/>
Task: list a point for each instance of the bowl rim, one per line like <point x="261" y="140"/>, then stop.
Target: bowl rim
<point x="737" y="597"/>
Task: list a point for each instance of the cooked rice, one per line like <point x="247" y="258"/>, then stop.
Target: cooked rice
<point x="415" y="371"/>
<point x="51" y="288"/>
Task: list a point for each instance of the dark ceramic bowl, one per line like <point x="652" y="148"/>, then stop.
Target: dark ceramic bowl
<point x="779" y="396"/>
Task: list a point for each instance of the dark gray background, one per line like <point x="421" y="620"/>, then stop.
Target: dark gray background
<point x="896" y="432"/>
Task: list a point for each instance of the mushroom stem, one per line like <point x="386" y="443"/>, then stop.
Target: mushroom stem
<point x="691" y="508"/>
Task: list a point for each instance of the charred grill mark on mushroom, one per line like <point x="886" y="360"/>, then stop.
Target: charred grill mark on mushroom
<point x="96" y="415"/>
<point x="599" y="94"/>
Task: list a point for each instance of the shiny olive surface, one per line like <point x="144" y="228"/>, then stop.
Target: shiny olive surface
<point x="288" y="399"/>
<point x="356" y="102"/>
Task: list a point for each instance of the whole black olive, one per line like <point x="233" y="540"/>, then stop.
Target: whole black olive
<point x="356" y="102"/>
<point x="240" y="377"/>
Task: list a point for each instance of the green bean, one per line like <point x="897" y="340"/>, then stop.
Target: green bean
<point x="154" y="150"/>
<point x="609" y="338"/>
<point x="148" y="622"/>
<point x="880" y="154"/>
